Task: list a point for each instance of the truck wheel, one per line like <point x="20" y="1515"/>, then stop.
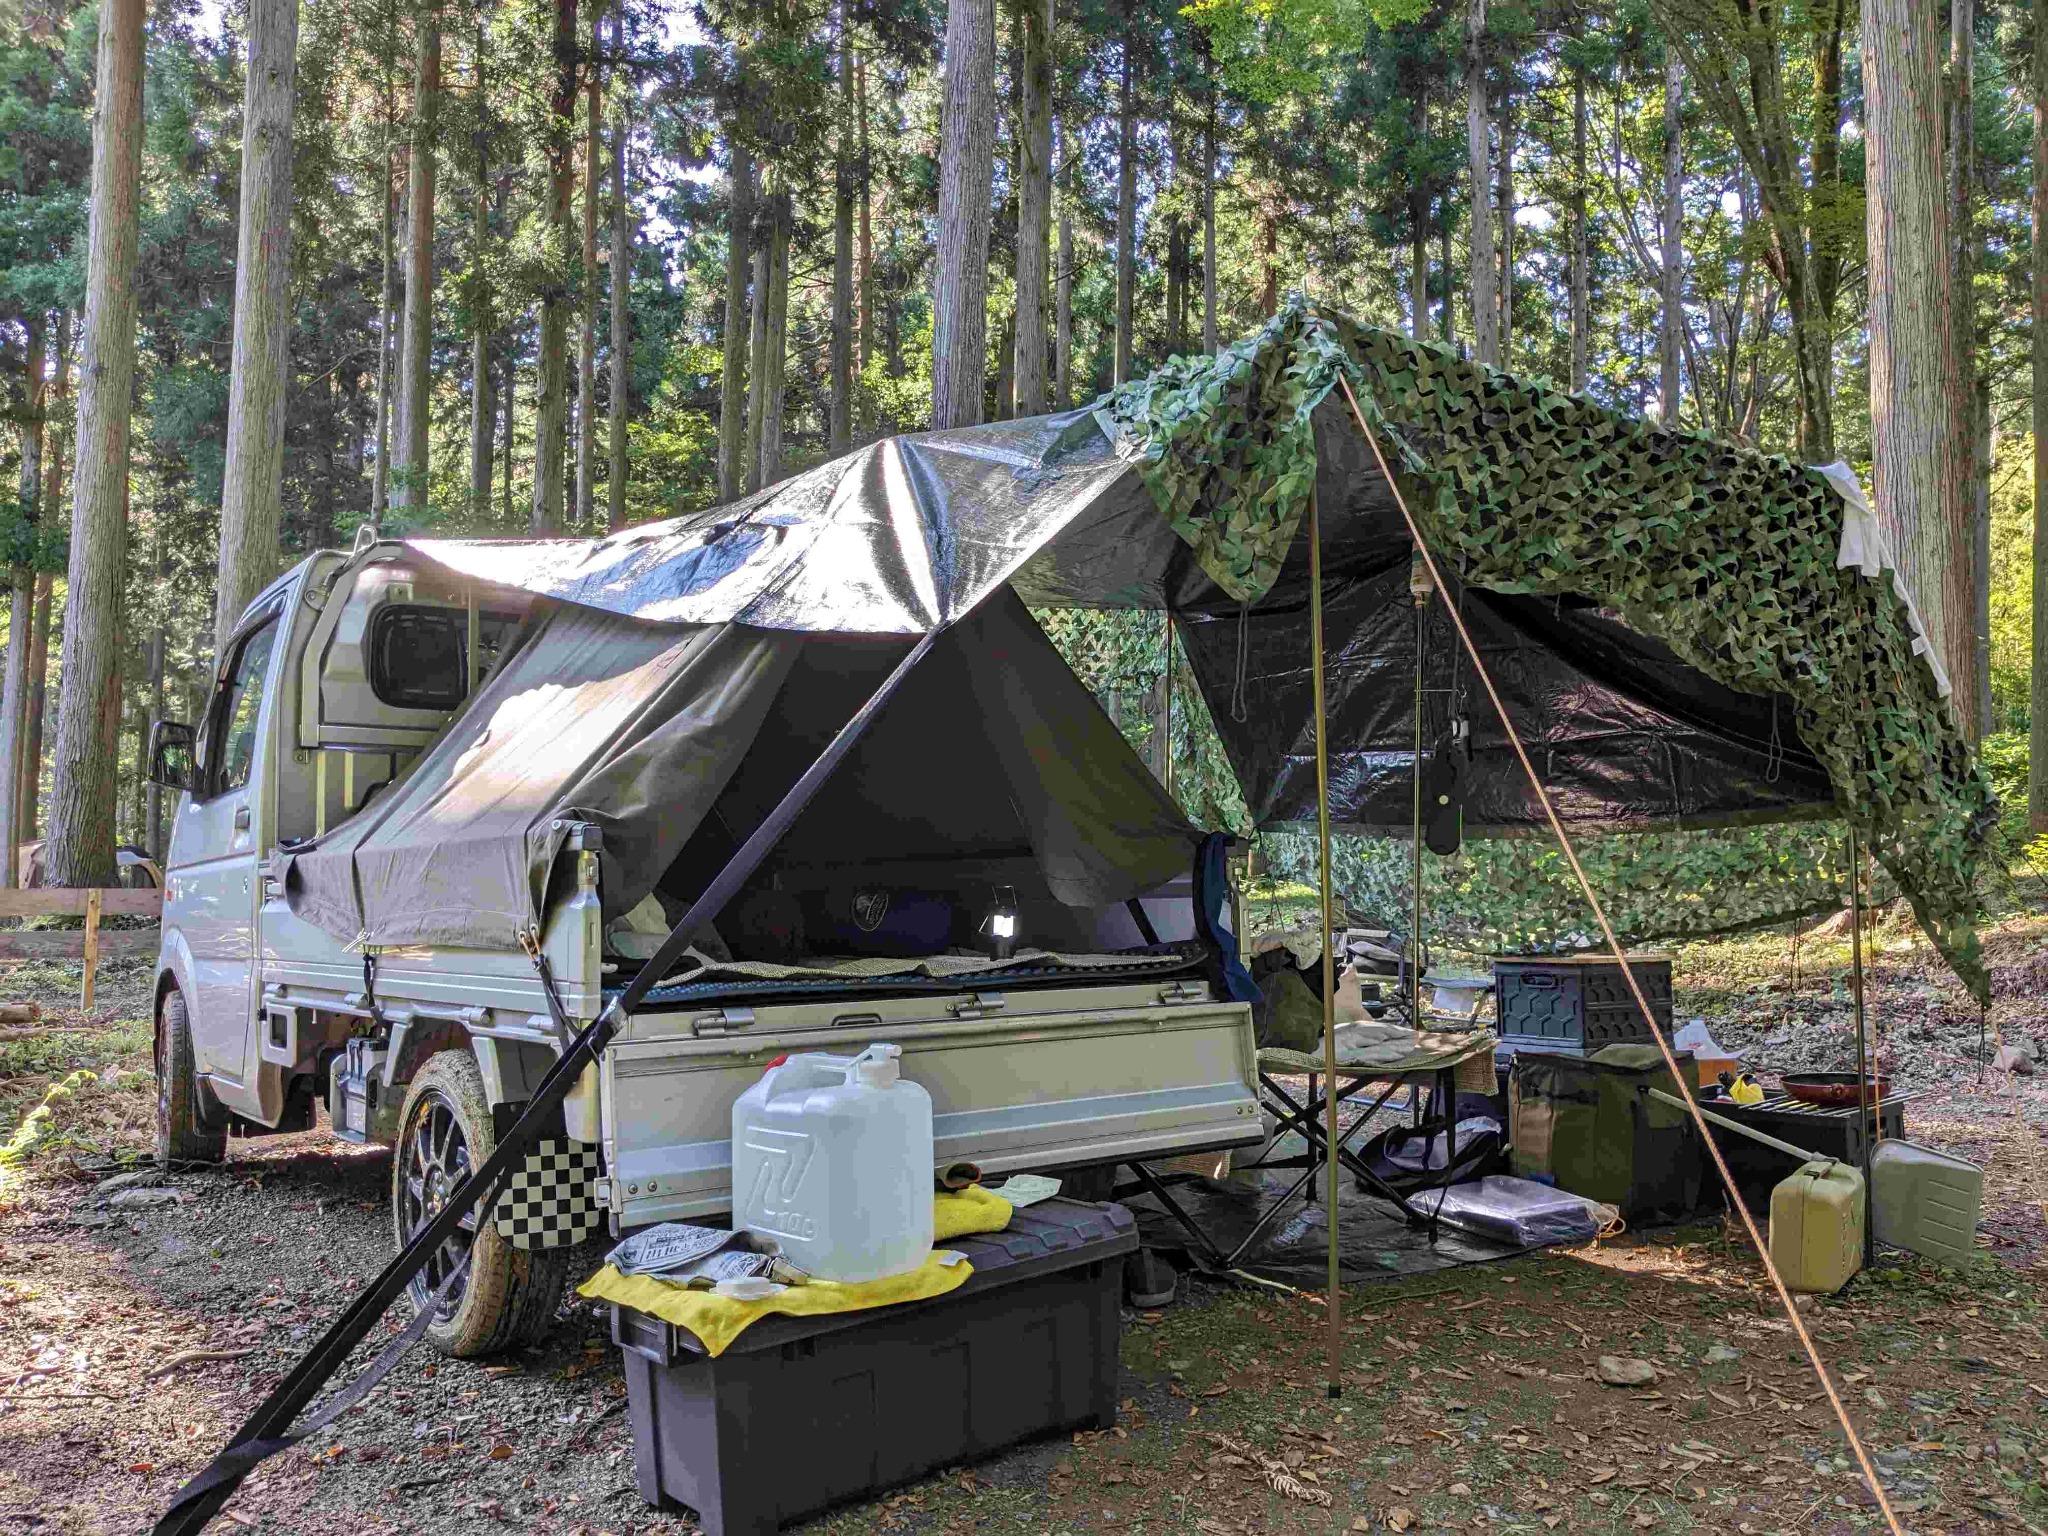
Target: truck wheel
<point x="509" y="1295"/>
<point x="182" y="1136"/>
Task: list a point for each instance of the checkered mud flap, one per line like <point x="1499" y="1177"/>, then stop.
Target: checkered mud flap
<point x="551" y="1200"/>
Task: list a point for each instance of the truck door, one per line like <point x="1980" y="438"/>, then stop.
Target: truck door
<point x="214" y="886"/>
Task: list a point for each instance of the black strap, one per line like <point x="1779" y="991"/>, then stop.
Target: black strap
<point x="238" y="1461"/>
<point x="269" y="1429"/>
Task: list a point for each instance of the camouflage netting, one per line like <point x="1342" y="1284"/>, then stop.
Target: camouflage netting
<point x="1726" y="555"/>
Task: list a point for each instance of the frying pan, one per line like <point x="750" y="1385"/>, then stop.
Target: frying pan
<point x="1835" y="1090"/>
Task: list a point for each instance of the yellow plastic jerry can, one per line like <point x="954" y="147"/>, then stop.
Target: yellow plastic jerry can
<point x="1817" y="1226"/>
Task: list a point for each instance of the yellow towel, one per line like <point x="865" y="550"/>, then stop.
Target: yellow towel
<point x="958" y="1213"/>
<point x="718" y="1320"/>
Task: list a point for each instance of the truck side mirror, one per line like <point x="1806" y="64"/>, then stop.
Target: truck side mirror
<point x="172" y="761"/>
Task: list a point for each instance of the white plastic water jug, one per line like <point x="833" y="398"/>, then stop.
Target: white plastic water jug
<point x="832" y="1158"/>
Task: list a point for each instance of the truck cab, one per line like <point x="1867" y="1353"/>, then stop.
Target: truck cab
<point x="339" y="677"/>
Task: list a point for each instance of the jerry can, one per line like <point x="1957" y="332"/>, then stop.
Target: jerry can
<point x="1817" y="1226"/>
<point x="1925" y="1201"/>
<point x="832" y="1159"/>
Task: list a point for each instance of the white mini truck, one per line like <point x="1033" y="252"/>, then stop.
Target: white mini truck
<point x="418" y="797"/>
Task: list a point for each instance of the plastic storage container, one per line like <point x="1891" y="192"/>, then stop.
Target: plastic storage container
<point x="832" y="1158"/>
<point x="1817" y="1227"/>
<point x="800" y="1413"/>
<point x="1574" y="1003"/>
<point x="1925" y="1201"/>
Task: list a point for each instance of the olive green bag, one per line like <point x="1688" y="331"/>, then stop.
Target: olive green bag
<point x="1589" y="1125"/>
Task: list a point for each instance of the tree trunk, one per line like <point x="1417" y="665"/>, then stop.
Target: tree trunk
<point x="387" y="301"/>
<point x="1582" y="254"/>
<point x="1006" y="379"/>
<point x="1209" y="340"/>
<point x="864" y="264"/>
<point x="1967" y="495"/>
<point x="1269" y="260"/>
<point x="415" y="372"/>
<point x="1063" y="303"/>
<point x="31" y="775"/>
<point x="38" y="692"/>
<point x="1504" y="178"/>
<point x="551" y="407"/>
<point x="2037" y="739"/>
<point x="1443" y="264"/>
<point x="757" y="340"/>
<point x="1479" y="152"/>
<point x="1126" y="207"/>
<point x="1911" y="354"/>
<point x="586" y="351"/>
<point x="1418" y="262"/>
<point x="152" y="796"/>
<point x="732" y="394"/>
<point x="14" y="689"/>
<point x="839" y="432"/>
<point x="776" y="344"/>
<point x="81" y="847"/>
<point x="252" y="489"/>
<point x="621" y="286"/>
<point x="483" y="413"/>
<point x="1671" y="258"/>
<point x="510" y="393"/>
<point x="1034" y="206"/>
<point x="967" y="143"/>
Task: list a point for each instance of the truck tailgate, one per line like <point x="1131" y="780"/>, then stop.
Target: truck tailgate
<point x="1023" y="1079"/>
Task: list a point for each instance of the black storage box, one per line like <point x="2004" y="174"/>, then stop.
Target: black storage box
<point x="802" y="1412"/>
<point x="1573" y="1005"/>
<point x="1830" y="1133"/>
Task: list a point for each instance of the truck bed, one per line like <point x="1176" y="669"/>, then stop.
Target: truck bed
<point x="1020" y="1077"/>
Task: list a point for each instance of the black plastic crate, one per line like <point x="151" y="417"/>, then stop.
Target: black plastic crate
<point x="801" y="1413"/>
<point x="1556" y="1002"/>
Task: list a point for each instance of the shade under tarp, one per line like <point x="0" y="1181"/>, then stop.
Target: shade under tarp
<point x="997" y="752"/>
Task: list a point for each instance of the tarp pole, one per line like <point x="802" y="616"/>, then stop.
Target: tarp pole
<point x="1863" y="1105"/>
<point x="1420" y="592"/>
<point x="1332" y="1163"/>
<point x="1628" y="975"/>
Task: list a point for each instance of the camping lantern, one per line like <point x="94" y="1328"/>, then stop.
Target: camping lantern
<point x="1001" y="923"/>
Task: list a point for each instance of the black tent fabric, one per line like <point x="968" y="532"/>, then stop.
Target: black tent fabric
<point x="674" y="740"/>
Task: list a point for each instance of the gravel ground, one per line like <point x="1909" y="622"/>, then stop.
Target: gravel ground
<point x="133" y="1337"/>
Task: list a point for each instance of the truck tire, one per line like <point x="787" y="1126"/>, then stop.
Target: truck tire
<point x="509" y="1295"/>
<point x="182" y="1134"/>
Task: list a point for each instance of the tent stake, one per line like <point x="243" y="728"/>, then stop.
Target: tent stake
<point x="1332" y="1162"/>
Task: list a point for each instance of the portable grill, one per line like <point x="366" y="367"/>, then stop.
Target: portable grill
<point x="1825" y="1131"/>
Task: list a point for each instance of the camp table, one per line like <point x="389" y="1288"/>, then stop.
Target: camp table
<point x="1433" y="1065"/>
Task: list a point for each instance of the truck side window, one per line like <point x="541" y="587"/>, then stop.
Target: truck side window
<point x="229" y="751"/>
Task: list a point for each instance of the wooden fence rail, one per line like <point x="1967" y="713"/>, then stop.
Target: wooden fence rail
<point x="86" y="944"/>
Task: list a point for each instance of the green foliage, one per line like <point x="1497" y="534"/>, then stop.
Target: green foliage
<point x="2012" y="589"/>
<point x="1500" y="895"/>
<point x="1726" y="556"/>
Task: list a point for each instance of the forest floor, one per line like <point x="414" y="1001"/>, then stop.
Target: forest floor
<point x="133" y="1339"/>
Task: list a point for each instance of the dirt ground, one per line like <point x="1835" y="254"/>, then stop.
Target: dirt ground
<point x="133" y="1337"/>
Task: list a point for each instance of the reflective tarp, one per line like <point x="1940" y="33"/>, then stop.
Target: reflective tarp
<point x="674" y="741"/>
